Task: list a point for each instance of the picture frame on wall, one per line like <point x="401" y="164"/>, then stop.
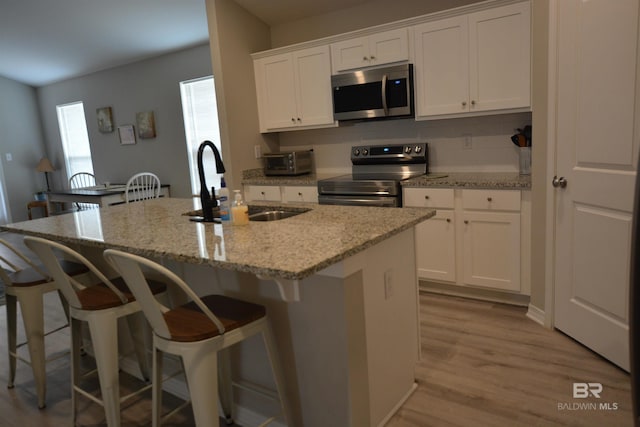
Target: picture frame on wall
<point x="105" y="119"/>
<point x="146" y="124"/>
<point x="127" y="134"/>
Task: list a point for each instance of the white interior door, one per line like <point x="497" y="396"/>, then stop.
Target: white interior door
<point x="597" y="136"/>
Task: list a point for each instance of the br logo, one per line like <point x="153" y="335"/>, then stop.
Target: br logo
<point x="584" y="390"/>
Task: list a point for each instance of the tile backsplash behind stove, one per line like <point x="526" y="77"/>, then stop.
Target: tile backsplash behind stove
<point x="472" y="144"/>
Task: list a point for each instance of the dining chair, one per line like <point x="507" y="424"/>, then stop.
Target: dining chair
<point x="100" y="304"/>
<point x="83" y="180"/>
<point x="25" y="283"/>
<point x="142" y="186"/>
<point x="199" y="332"/>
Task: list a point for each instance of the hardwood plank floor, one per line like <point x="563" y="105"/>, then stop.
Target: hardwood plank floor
<point x="487" y="364"/>
<point x="483" y="364"/>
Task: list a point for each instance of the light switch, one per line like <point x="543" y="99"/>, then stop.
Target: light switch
<point x="9" y="157"/>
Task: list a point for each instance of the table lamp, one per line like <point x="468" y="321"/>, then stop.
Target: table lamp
<point x="45" y="166"/>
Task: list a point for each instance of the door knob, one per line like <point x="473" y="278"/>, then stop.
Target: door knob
<point x="559" y="182"/>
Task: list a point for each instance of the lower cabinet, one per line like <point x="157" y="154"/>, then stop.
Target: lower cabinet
<point x="478" y="238"/>
<point x="285" y="193"/>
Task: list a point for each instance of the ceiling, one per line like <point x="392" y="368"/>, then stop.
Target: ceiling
<point x="45" y="41"/>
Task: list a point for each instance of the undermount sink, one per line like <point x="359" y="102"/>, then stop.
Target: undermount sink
<point x="272" y="215"/>
<point x="256" y="213"/>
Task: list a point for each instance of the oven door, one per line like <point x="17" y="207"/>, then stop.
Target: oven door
<point x="359" y="200"/>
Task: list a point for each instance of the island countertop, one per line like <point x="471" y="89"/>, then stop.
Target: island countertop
<point x="292" y="248"/>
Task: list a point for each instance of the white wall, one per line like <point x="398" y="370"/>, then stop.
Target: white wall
<point x="21" y="137"/>
<point x="491" y="147"/>
<point x="147" y="85"/>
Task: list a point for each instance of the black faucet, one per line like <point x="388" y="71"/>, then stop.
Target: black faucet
<point x="207" y="200"/>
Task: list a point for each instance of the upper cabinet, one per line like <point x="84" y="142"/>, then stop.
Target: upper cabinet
<point x="474" y="63"/>
<point x="294" y="90"/>
<point x="376" y="49"/>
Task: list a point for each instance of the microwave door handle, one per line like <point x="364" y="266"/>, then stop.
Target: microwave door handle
<point x="384" y="95"/>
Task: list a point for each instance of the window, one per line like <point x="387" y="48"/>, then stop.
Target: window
<point x="200" y="113"/>
<point x="75" y="138"/>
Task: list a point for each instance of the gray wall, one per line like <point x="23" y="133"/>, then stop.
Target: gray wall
<point x="21" y="137"/>
<point x="147" y="85"/>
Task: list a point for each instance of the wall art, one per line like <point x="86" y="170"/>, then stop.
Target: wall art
<point x="127" y="134"/>
<point x="105" y="119"/>
<point x="146" y="124"/>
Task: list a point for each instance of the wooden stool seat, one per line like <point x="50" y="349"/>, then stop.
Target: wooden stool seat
<point x="37" y="204"/>
<point x="188" y="323"/>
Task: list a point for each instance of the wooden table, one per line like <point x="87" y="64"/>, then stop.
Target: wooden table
<point x="100" y="195"/>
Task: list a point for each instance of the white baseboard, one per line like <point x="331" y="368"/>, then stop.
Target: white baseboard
<point x="536" y="314"/>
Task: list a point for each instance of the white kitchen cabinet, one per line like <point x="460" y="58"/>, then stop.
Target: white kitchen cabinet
<point x="303" y="194"/>
<point x="435" y="238"/>
<point x="376" y="49"/>
<point x="491" y="250"/>
<point x="294" y="90"/>
<point x="285" y="193"/>
<point x="478" y="238"/>
<point x="265" y="193"/>
<point x="474" y="63"/>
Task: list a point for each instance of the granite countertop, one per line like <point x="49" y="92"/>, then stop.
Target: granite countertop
<point x="257" y="177"/>
<point x="292" y="248"/>
<point x="491" y="180"/>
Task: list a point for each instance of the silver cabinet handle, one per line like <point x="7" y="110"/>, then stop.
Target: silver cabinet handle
<point x="384" y="95"/>
<point x="559" y="182"/>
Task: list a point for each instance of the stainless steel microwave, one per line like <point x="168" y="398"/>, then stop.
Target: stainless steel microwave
<point x="374" y="93"/>
<point x="287" y="163"/>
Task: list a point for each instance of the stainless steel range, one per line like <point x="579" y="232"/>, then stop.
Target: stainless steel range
<point x="376" y="173"/>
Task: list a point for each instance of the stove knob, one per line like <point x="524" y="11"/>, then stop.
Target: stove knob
<point x="418" y="149"/>
<point x="356" y="152"/>
<point x="365" y="151"/>
<point x="407" y="149"/>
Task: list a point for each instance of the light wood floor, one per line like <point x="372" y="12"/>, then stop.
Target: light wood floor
<point x="486" y="364"/>
<point x="483" y="364"/>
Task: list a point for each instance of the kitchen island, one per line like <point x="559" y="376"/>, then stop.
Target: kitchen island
<point x="339" y="284"/>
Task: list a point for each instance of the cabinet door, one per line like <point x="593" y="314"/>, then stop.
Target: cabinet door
<point x="389" y="46"/>
<point x="300" y="194"/>
<point x="313" y="86"/>
<point x="442" y="67"/>
<point x="276" y="91"/>
<point x="263" y="192"/>
<point x="435" y="247"/>
<point x="500" y="58"/>
<point x="350" y="54"/>
<point x="491" y="250"/>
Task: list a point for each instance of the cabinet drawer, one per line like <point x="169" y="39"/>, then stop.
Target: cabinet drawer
<point x="264" y="192"/>
<point x="499" y="200"/>
<point x="428" y="197"/>
<point x="300" y="194"/>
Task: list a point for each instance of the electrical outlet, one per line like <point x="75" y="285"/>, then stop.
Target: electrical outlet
<point x="467" y="142"/>
<point x="257" y="151"/>
<point x="388" y="284"/>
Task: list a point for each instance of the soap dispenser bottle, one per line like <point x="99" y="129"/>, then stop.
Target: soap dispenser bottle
<point x="239" y="211"/>
<point x="225" y="203"/>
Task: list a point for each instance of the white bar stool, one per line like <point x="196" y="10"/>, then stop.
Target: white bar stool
<point x="197" y="332"/>
<point x="100" y="305"/>
<point x="26" y="285"/>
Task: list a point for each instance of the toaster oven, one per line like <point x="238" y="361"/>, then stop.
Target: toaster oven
<point x="287" y="163"/>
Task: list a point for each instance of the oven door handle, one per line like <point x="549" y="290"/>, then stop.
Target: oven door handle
<point x="384" y="95"/>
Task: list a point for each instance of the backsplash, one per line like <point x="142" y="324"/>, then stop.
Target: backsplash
<point x="471" y="144"/>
